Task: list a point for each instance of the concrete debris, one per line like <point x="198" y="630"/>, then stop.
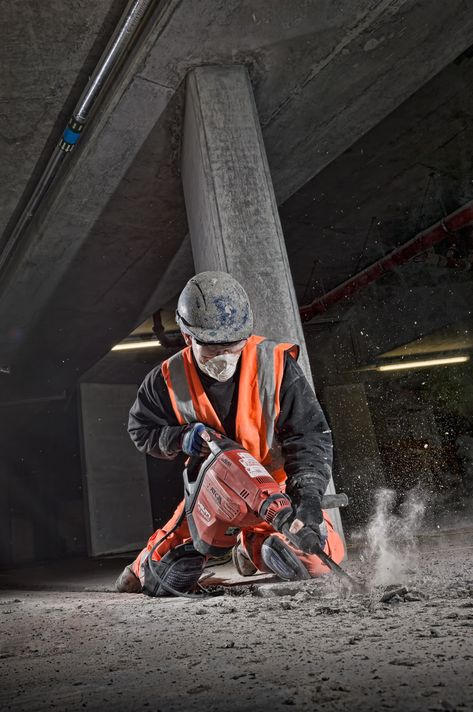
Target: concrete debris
<point x="219" y="590"/>
<point x="405" y="662"/>
<point x="300" y="590"/>
<point x="415" y="595"/>
<point x="393" y="592"/>
<point x="402" y="594"/>
<point x="287" y="605"/>
<point x="282" y="588"/>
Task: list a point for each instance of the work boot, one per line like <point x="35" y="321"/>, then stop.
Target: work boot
<point x="282" y="561"/>
<point x="127" y="582"/>
<point x="176" y="573"/>
<point x="242" y="562"/>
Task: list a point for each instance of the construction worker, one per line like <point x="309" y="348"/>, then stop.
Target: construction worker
<point x="252" y="390"/>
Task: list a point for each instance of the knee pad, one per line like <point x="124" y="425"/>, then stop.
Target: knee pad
<point x="177" y="572"/>
<point x="282" y="561"/>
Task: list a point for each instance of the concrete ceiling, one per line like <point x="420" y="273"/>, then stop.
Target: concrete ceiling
<point x="324" y="75"/>
<point x="404" y="175"/>
<point x="47" y="54"/>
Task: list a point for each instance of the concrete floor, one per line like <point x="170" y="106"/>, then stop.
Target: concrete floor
<point x="260" y="646"/>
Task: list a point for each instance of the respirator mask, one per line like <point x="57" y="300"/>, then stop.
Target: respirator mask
<point x="218" y="361"/>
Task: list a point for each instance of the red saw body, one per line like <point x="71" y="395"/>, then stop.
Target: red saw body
<point x="232" y="491"/>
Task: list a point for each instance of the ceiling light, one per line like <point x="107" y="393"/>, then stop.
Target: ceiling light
<point x="137" y="345"/>
<point x="422" y="364"/>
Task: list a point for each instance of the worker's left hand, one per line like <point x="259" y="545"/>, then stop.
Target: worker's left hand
<point x="308" y="513"/>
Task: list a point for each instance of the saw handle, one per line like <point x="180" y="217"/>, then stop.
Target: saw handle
<point x="212" y="438"/>
<point x="332" y="501"/>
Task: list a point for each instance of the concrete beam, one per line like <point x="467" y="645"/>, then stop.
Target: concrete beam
<point x="404" y="175"/>
<point x="231" y="208"/>
<point x="179" y="271"/>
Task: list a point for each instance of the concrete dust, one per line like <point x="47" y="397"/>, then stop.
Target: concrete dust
<point x="390" y="544"/>
<point x="310" y="645"/>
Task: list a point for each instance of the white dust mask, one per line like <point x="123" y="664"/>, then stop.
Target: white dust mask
<point x="220" y="367"/>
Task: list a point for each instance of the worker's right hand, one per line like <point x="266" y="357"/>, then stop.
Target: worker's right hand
<point x="193" y="441"/>
<point x="308" y="539"/>
<point x="308" y="517"/>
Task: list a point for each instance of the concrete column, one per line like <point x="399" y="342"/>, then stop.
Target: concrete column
<point x="231" y="208"/>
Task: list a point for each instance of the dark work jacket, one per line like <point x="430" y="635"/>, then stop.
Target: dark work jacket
<point x="301" y="428"/>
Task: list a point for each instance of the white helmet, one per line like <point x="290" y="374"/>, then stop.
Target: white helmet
<point x="214" y="308"/>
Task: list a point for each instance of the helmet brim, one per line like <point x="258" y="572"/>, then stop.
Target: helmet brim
<point x="212" y="336"/>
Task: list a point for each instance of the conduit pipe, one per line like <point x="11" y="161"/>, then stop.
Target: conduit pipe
<point x="132" y="21"/>
<point x="463" y="217"/>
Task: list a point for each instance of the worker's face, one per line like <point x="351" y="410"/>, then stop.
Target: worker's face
<point x="209" y="351"/>
<point x="217" y="360"/>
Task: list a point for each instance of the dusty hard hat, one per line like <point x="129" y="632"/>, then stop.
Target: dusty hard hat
<point x="214" y="308"/>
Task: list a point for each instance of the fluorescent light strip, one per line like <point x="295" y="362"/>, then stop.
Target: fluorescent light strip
<point x="423" y="364"/>
<point x="137" y="345"/>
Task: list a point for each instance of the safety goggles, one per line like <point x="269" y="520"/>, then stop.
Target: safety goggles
<point x="211" y="350"/>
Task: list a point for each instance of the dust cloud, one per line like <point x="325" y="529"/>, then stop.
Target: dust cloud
<point x="390" y="536"/>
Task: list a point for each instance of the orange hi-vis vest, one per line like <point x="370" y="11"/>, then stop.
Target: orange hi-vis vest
<point x="258" y="406"/>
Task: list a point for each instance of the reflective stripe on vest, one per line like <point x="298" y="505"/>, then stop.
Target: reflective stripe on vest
<point x="180" y="386"/>
<point x="266" y="387"/>
<point x="258" y="407"/>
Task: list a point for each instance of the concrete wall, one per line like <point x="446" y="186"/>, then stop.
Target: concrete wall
<point x="41" y="510"/>
<point x="42" y="501"/>
<point x="117" y="496"/>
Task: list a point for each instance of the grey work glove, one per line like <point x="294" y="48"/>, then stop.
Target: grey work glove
<point x="304" y="491"/>
<point x="193" y="441"/>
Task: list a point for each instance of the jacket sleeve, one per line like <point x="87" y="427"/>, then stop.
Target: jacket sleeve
<point x="302" y="431"/>
<point x="152" y="423"/>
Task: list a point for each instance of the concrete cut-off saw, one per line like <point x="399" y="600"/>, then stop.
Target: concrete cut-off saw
<point x="226" y="492"/>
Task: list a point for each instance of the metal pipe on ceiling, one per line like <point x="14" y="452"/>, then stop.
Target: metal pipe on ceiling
<point x="463" y="217"/>
<point x="131" y="22"/>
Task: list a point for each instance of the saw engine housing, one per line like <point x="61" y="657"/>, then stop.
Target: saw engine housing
<point x="231" y="491"/>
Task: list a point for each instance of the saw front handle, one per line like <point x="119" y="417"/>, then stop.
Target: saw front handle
<point x="332" y="501"/>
